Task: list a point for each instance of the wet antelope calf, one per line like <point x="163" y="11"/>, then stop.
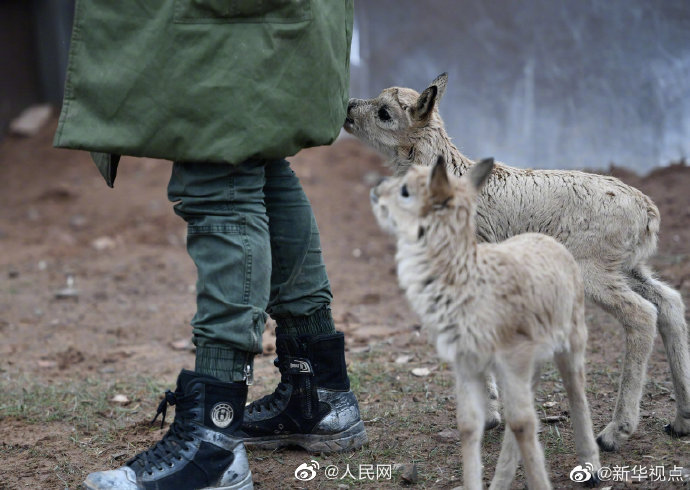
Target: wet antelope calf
<point x="502" y="308"/>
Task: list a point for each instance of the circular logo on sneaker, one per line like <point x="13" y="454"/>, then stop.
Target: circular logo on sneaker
<point x="222" y="414"/>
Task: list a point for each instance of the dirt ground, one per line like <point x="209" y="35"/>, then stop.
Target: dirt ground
<point x="97" y="292"/>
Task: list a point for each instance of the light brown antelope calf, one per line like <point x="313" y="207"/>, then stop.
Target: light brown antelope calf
<point x="503" y="308"/>
<point x="610" y="228"/>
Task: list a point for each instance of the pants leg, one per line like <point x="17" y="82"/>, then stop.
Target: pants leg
<point x="300" y="291"/>
<point x="228" y="240"/>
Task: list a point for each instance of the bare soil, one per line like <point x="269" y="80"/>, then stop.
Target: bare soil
<point x="97" y="292"/>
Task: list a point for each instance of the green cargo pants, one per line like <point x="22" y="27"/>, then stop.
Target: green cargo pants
<point x="252" y="234"/>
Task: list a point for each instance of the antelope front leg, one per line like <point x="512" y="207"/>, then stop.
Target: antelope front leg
<point x="470" y="395"/>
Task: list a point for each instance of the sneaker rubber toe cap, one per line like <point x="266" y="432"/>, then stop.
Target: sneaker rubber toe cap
<point x="121" y="479"/>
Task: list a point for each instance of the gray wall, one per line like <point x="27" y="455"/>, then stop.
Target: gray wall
<point x="540" y="83"/>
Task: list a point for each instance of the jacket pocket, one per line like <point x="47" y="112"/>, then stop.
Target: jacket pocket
<point x="241" y="11"/>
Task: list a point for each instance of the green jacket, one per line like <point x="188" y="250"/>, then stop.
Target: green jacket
<point x="205" y="80"/>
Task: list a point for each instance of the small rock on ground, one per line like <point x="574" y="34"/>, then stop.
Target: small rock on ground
<point x="410" y="474"/>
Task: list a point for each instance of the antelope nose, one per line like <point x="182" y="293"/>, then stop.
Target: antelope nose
<point x="352" y="104"/>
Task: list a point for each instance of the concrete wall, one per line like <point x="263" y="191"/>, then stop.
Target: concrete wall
<point x="543" y="83"/>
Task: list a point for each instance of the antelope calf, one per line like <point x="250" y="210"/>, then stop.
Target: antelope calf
<point x="501" y="308"/>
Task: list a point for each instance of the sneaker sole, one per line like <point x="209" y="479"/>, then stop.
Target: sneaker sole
<point x="352" y="438"/>
<point x="245" y="484"/>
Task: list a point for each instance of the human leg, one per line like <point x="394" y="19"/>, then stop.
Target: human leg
<point x="229" y="243"/>
<point x="313" y="406"/>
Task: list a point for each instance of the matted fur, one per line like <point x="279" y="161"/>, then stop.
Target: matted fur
<point x="610" y="228"/>
<point x="501" y="308"/>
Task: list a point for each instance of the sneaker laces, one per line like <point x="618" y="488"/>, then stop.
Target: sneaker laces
<point x="280" y="393"/>
<point x="175" y="440"/>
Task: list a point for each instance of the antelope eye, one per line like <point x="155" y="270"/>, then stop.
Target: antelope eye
<point x="403" y="191"/>
<point x="384" y="115"/>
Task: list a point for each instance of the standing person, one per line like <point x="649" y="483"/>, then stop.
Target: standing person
<point x="226" y="90"/>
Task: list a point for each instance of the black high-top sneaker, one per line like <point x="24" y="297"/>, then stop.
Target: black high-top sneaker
<point x="313" y="406"/>
<point x="201" y="448"/>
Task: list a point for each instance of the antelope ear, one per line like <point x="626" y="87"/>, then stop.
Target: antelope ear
<point x="425" y="104"/>
<point x="439" y="183"/>
<point x="479" y="172"/>
<point x="440" y="82"/>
